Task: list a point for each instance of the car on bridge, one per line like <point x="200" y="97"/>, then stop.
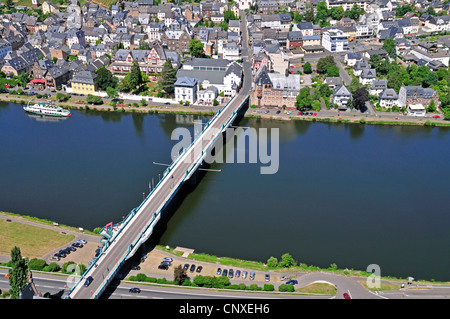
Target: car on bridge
<point x="134" y="290"/>
<point x="88" y="281"/>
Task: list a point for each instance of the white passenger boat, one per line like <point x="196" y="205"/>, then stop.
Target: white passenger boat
<point x="46" y="109"/>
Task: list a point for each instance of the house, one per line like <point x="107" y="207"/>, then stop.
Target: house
<point x="231" y="51"/>
<point x="367" y="76"/>
<point x="83" y="82"/>
<point x="377" y="87"/>
<point x="347" y="4"/>
<point x="341" y="97"/>
<point x="416" y="110"/>
<point x="350" y="59"/>
<point x="186" y="89"/>
<point x="207" y="96"/>
<point x="360" y="66"/>
<point x="388" y="98"/>
<point x="333" y="81"/>
<point x="275" y="90"/>
<point x="413" y="95"/>
<point x="294" y="40"/>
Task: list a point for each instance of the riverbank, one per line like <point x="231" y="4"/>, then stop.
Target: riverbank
<point x="321" y="116"/>
<point x="59" y="236"/>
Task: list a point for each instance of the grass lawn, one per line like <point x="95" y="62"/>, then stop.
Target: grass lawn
<point x="34" y="242"/>
<point x="318" y="288"/>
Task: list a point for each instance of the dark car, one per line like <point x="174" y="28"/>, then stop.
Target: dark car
<point x="238" y="273"/>
<point x="186" y="266"/>
<point x="225" y="272"/>
<point x="278" y="112"/>
<point x="88" y="281"/>
<point x="135" y="290"/>
<point x="70" y="248"/>
<point x="199" y="268"/>
<point x="163" y="266"/>
<point x="192" y="268"/>
<point x="267" y="277"/>
<point x="219" y="271"/>
<point x="79" y="245"/>
<point x="231" y="273"/>
<point x="135" y="267"/>
<point x="291" y="282"/>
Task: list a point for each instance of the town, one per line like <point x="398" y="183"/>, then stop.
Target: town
<point x="339" y="56"/>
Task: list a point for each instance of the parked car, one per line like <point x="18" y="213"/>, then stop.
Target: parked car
<point x="135" y="267"/>
<point x="192" y="268"/>
<point x="436" y="116"/>
<point x="199" y="268"/>
<point x="231" y="273"/>
<point x="291" y="282"/>
<point x="244" y="274"/>
<point x="186" y="266"/>
<point x="238" y="273"/>
<point x="54" y="258"/>
<point x="135" y="290"/>
<point x="168" y="259"/>
<point x="225" y="272"/>
<point x="252" y="275"/>
<point x="347" y="296"/>
<point x="82" y="241"/>
<point x="267" y="277"/>
<point x="88" y="281"/>
<point x="219" y="271"/>
<point x="163" y="266"/>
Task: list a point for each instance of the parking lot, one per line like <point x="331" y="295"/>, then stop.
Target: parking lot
<point x="150" y="267"/>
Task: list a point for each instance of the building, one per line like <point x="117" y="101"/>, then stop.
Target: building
<point x="83" y="82"/>
<point x="341" y="97"/>
<point x="294" y="40"/>
<point x="225" y="75"/>
<point x="413" y="95"/>
<point x="416" y="110"/>
<point x="351" y="58"/>
<point x="177" y="41"/>
<point x="367" y="76"/>
<point x="275" y="90"/>
<point x="334" y="40"/>
<point x="388" y="98"/>
<point x="186" y="89"/>
<point x="347" y="4"/>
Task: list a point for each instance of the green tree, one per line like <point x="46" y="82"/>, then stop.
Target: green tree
<point x="395" y="81"/>
<point x="322" y="11"/>
<point x="354" y="85"/>
<point x="324" y="63"/>
<point x="112" y="92"/>
<point x="272" y="262"/>
<point x="307" y="68"/>
<point x="287" y="260"/>
<point x="135" y="76"/>
<point x="168" y="78"/>
<point x="337" y="13"/>
<point x="309" y="15"/>
<point x="390" y="46"/>
<point x="304" y="99"/>
<point x="105" y="79"/>
<point x="431" y="107"/>
<point x="196" y="48"/>
<point x="17" y="273"/>
<point x="333" y="71"/>
<point x="94" y="99"/>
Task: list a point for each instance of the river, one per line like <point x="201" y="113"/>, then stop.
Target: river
<point x="349" y="194"/>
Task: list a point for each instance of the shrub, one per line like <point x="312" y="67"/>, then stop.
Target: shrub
<point x="268" y="287"/>
<point x="37" y="264"/>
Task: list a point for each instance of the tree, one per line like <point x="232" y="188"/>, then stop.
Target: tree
<point x="324" y="63"/>
<point x="337" y="13"/>
<point x="169" y="78"/>
<point x="304" y="99"/>
<point x="17" y="273"/>
<point x="272" y="262"/>
<point x="322" y="11"/>
<point x="431" y="107"/>
<point x="360" y="98"/>
<point x="390" y="46"/>
<point x="135" y="76"/>
<point x="196" y="48"/>
<point x="112" y="92"/>
<point x="94" y="99"/>
<point x="333" y="70"/>
<point x="143" y="45"/>
<point x="395" y="81"/>
<point x="179" y="274"/>
<point x="354" y="85"/>
<point x="309" y="15"/>
<point x="9" y="4"/>
<point x="307" y="68"/>
<point x="105" y="79"/>
<point x="287" y="260"/>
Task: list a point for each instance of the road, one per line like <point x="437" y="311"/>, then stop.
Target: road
<point x="131" y="232"/>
